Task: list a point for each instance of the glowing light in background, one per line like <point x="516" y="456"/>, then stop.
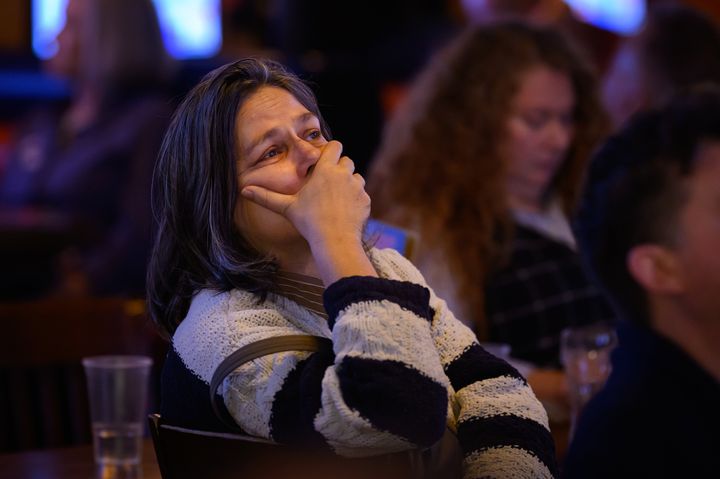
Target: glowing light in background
<point x="191" y="28"/>
<point x="624" y="17"/>
<point x="48" y="18"/>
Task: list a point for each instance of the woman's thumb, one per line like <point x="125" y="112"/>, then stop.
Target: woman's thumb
<point x="271" y="200"/>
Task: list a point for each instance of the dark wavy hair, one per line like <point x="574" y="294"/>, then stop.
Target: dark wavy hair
<point x="440" y="168"/>
<point x="634" y="191"/>
<point x="198" y="244"/>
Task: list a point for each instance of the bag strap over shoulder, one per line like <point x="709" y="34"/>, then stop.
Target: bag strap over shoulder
<point x="278" y="344"/>
<point x="441" y="460"/>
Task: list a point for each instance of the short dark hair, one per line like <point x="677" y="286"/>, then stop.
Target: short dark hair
<point x="195" y="190"/>
<point x="634" y="190"/>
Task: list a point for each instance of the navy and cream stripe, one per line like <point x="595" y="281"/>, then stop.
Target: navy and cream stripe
<point x="402" y="370"/>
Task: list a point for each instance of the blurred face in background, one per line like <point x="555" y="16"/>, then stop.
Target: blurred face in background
<point x="540" y="129"/>
<point x="66" y="62"/>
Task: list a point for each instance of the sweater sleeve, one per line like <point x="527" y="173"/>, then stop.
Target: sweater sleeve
<point x="382" y="390"/>
<point x="387" y="383"/>
<point x="501" y="426"/>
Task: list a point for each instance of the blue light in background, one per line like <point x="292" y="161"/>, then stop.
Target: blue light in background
<point x="48" y="18"/>
<point x="624" y="17"/>
<point x="383" y="235"/>
<point x="191" y="28"/>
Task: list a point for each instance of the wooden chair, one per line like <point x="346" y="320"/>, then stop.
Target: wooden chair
<point x="43" y="395"/>
<point x="189" y="454"/>
<point x="185" y="453"/>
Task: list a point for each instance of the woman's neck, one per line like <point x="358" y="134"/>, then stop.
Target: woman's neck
<point x="330" y="261"/>
<point x="298" y="260"/>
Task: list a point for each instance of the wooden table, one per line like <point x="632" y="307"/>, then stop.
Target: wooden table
<point x="72" y="463"/>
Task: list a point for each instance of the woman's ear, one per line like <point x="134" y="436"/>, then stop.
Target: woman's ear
<point x="656" y="268"/>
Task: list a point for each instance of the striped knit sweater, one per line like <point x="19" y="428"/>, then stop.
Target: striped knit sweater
<point x="403" y="370"/>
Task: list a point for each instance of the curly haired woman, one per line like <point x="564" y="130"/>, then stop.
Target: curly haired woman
<point x="485" y="161"/>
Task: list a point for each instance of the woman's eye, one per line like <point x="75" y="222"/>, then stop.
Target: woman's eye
<point x="270" y="154"/>
<point x="314" y="135"/>
<point x="535" y="121"/>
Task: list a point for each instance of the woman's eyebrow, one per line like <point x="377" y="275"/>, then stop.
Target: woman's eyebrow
<point x="298" y="120"/>
<point x="305" y="117"/>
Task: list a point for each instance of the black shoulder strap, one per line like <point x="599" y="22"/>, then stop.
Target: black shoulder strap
<point x="278" y="344"/>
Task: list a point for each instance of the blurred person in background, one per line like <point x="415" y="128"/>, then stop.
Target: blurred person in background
<point x="597" y="43"/>
<point x="677" y="47"/>
<point x="485" y="160"/>
<point x="91" y="160"/>
<point x="649" y="229"/>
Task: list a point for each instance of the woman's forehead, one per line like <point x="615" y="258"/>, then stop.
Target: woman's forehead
<point x="270" y="101"/>
<point x="543" y="86"/>
<point x="266" y="110"/>
<point x="269" y="105"/>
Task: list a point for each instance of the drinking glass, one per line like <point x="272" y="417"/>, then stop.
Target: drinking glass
<point x="585" y="355"/>
<point x="118" y="394"/>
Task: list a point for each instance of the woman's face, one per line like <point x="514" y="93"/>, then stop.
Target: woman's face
<point x="279" y="141"/>
<point x="539" y="132"/>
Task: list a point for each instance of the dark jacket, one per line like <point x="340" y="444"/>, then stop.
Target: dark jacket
<point x="658" y="416"/>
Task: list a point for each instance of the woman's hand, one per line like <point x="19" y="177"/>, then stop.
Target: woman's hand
<point x="329" y="211"/>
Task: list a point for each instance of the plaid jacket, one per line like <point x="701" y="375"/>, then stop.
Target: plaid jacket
<point x="541" y="290"/>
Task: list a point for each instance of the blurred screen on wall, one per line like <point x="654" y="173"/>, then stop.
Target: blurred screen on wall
<point x="624" y="17"/>
<point x="191" y="29"/>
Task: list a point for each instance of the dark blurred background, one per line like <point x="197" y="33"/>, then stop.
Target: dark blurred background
<point x="359" y="56"/>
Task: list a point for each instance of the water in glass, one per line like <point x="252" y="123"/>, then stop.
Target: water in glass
<point x="117" y="444"/>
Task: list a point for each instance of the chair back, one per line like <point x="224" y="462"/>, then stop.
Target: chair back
<point x="189" y="454"/>
<point x="381" y="234"/>
<point x="43" y="394"/>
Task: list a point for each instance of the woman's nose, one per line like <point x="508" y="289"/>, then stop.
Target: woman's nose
<point x="307" y="155"/>
<point x="560" y="135"/>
